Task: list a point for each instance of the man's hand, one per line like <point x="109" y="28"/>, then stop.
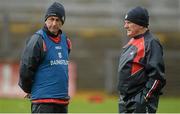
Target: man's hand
<point x="145" y="98"/>
<point x="28" y="96"/>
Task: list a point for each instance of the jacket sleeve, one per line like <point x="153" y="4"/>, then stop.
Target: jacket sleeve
<point x="155" y="69"/>
<point x="31" y="57"/>
<point x="69" y="44"/>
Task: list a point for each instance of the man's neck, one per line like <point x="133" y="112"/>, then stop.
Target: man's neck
<point x="143" y="31"/>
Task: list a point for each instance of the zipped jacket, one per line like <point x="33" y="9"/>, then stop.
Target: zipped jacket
<point x="141" y="67"/>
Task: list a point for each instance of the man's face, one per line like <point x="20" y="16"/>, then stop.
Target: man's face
<point x="53" y="24"/>
<point x="132" y="29"/>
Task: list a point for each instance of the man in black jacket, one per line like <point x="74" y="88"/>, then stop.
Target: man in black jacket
<point x="141" y="66"/>
<point x="44" y="65"/>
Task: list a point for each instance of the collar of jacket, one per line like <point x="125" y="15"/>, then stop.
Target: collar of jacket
<point x="141" y="35"/>
<point x="54" y="38"/>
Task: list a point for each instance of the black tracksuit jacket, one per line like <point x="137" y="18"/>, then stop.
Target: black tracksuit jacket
<point x="141" y="67"/>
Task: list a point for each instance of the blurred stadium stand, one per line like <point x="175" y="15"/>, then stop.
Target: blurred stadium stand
<point x="96" y="30"/>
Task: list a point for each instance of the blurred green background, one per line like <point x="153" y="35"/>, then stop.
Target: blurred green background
<point x="95" y="28"/>
<point x="86" y="105"/>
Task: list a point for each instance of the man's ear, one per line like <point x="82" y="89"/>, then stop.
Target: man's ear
<point x="45" y="22"/>
<point x="142" y="27"/>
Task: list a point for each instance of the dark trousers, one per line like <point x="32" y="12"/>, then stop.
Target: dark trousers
<point x="48" y="108"/>
<point x="137" y="104"/>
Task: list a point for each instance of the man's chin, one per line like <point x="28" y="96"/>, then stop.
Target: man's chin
<point x="129" y="35"/>
<point x="54" y="32"/>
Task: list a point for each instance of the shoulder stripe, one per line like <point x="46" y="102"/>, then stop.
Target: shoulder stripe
<point x="140" y="45"/>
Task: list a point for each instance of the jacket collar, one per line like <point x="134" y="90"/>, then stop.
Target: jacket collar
<point x="141" y="35"/>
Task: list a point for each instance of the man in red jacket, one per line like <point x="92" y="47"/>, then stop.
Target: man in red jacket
<point x="141" y="66"/>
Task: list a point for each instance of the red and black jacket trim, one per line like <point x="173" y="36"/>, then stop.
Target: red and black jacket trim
<point x="55" y="101"/>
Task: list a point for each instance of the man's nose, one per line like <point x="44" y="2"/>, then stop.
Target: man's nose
<point x="125" y="25"/>
<point x="54" y="22"/>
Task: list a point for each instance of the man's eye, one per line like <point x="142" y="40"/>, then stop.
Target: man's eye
<point x="57" y="20"/>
